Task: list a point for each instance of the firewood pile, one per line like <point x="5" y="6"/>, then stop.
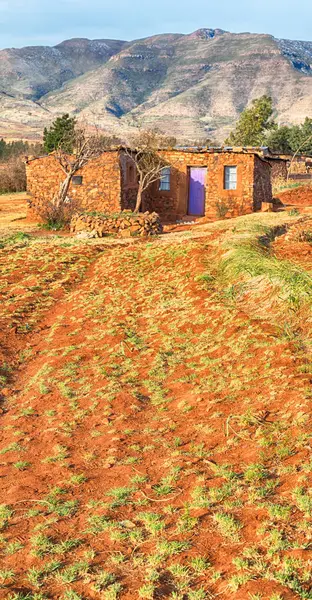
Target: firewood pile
<point x="126" y="224"/>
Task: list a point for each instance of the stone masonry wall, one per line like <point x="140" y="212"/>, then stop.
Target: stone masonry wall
<point x="126" y="224"/>
<point x="218" y="202"/>
<point x="230" y="203"/>
<point x="278" y="168"/>
<point x="262" y="183"/>
<point x="173" y="204"/>
<point x="110" y="184"/>
<point x="302" y="164"/>
<point x="100" y="189"/>
<point x="129" y="183"/>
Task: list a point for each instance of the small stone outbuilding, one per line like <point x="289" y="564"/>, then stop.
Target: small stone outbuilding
<point x="211" y="182"/>
<point x="287" y="166"/>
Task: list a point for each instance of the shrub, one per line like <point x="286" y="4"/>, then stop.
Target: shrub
<point x="57" y="217"/>
<point x="221" y="209"/>
<point x="13" y="176"/>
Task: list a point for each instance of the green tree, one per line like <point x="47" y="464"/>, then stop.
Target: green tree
<point x="59" y="134"/>
<point x="254" y="124"/>
<point x="280" y="139"/>
<point x="2" y="148"/>
<point x="292" y="139"/>
<point x="301" y="137"/>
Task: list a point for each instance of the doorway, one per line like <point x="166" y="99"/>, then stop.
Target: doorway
<point x="197" y="191"/>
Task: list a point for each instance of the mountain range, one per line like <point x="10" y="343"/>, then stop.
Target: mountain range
<point x="192" y="86"/>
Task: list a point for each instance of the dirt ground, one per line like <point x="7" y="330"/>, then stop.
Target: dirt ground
<point x="13" y="213"/>
<point x="155" y="435"/>
<point x="299" y="196"/>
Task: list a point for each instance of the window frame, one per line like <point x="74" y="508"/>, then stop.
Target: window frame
<point x="77" y="180"/>
<point x="229" y="181"/>
<point x="165" y="180"/>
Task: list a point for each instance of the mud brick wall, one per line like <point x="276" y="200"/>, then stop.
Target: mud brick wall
<point x="100" y="189"/>
<point x="152" y="199"/>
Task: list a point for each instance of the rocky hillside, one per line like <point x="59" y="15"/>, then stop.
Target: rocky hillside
<point x="192" y="86"/>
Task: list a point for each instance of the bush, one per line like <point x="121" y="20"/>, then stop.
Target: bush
<point x="222" y="209"/>
<point x="13" y="176"/>
<point x="57" y="217"/>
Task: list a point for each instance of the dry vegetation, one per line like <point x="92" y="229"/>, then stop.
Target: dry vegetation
<point x="12" y="175"/>
<point x="156" y="432"/>
<point x="280" y="185"/>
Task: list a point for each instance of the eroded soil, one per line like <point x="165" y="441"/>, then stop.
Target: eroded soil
<point x="155" y="438"/>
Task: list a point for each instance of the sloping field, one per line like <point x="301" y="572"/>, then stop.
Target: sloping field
<point x="156" y="432"/>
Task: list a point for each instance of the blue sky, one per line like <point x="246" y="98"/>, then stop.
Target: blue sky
<point x="36" y="22"/>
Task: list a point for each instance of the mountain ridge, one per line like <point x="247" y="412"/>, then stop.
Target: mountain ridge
<point x="189" y="85"/>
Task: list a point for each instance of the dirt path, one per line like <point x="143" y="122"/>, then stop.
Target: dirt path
<point x="148" y="438"/>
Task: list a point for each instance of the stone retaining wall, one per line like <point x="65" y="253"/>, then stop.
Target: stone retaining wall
<point x="123" y="225"/>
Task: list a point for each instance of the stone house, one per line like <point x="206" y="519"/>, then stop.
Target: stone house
<point x="209" y="182"/>
<point x="299" y="167"/>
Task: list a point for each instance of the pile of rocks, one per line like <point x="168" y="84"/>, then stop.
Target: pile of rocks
<point x="125" y="224"/>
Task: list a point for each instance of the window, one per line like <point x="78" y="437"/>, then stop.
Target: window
<point x="230" y="178"/>
<point x="77" y="180"/>
<point x="164" y="184"/>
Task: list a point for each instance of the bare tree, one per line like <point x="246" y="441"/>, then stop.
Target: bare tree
<point x="86" y="147"/>
<point x="144" y="152"/>
<point x="301" y="147"/>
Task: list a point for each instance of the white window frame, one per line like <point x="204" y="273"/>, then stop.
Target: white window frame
<point x="165" y="180"/>
<point x="230" y="177"/>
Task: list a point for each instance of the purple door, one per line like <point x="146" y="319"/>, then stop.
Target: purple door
<point x="197" y="191"/>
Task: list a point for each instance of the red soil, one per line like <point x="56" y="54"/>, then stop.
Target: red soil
<point x="141" y="360"/>
<point x="300" y="196"/>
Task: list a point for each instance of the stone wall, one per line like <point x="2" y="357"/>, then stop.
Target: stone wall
<point x="129" y="183"/>
<point x="100" y="189"/>
<point x="109" y="184"/>
<point x="301" y="165"/>
<point x="253" y="184"/>
<point x="279" y="168"/>
<point x="262" y="183"/>
<point x="125" y="224"/>
<point x="230" y="203"/>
